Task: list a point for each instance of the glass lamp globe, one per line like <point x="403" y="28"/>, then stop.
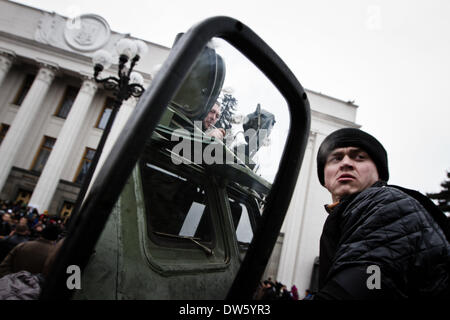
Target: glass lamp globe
<point x="142" y="48"/>
<point x="137" y="78"/>
<point x="103" y="58"/>
<point x="126" y="47"/>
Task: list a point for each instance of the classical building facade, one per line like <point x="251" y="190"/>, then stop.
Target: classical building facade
<point x="52" y="115"/>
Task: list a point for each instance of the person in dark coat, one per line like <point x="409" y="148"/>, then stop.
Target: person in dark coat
<point x="378" y="241"/>
<point x="21" y="234"/>
<point x="31" y="255"/>
<point x="5" y="224"/>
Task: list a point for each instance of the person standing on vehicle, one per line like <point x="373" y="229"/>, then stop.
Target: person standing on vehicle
<point x="210" y="120"/>
<point x="379" y="241"/>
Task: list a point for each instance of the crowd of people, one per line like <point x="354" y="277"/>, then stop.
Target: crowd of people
<point x="27" y="245"/>
<point x="274" y="290"/>
<point x="22" y="223"/>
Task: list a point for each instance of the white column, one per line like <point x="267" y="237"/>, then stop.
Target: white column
<point x="295" y="216"/>
<point x="23" y="121"/>
<point x="121" y="118"/>
<point x="49" y="179"/>
<point x="6" y="59"/>
<point x="314" y="217"/>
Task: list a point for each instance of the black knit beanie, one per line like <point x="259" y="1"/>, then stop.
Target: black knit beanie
<point x="351" y="137"/>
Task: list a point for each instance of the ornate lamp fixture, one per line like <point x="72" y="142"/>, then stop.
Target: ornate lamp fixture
<point x="127" y="83"/>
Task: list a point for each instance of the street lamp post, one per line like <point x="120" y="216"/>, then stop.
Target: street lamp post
<point x="128" y="83"/>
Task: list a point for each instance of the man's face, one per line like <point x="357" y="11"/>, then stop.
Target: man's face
<point x="212" y="116"/>
<point x="349" y="170"/>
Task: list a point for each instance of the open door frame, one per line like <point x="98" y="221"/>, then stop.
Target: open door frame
<point x="87" y="225"/>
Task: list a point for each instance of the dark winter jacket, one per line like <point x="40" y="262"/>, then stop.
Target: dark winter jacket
<point x="9" y="242"/>
<point x="387" y="231"/>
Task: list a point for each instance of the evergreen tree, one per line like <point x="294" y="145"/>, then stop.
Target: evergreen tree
<point x="443" y="197"/>
<point x="228" y="103"/>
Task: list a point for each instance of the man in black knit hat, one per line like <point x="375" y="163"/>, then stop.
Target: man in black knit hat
<point x="379" y="241"/>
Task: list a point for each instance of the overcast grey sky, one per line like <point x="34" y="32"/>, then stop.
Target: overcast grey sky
<point x="391" y="57"/>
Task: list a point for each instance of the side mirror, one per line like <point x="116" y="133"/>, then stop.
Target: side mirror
<point x="174" y="83"/>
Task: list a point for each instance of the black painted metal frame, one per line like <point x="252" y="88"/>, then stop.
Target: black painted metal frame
<point x="87" y="226"/>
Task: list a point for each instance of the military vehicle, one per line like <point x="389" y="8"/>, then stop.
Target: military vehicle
<point x="175" y="213"/>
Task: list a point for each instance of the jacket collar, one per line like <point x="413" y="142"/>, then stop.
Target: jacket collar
<point x="330" y="207"/>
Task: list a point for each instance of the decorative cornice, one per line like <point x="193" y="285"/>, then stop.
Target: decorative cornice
<point x="7" y="53"/>
<point x="312" y="135"/>
<point x="5" y="63"/>
<point x="320" y="94"/>
<point x="46" y="73"/>
<point x="89" y="86"/>
<point x="311" y="139"/>
<point x="6" y="59"/>
<point x="60" y="53"/>
<point x="320" y="116"/>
